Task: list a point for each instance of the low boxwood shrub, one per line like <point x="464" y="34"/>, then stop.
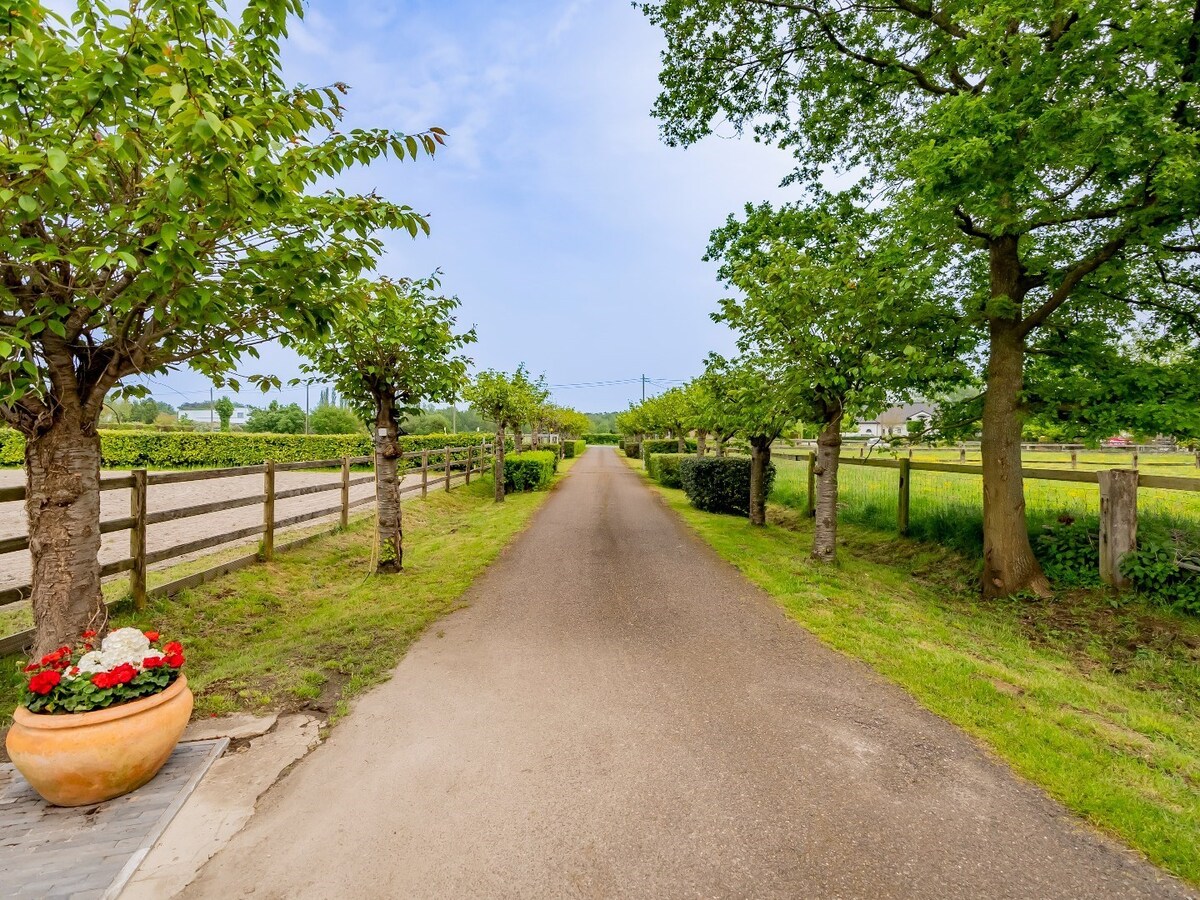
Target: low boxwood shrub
<point x="632" y="448"/>
<point x="529" y="471"/>
<point x="601" y="438"/>
<point x="720" y="484"/>
<point x="572" y="449"/>
<point x="664" y="468"/>
<point x="665" y="445"/>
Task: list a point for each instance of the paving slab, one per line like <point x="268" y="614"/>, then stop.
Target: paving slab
<point x="90" y="852"/>
<point x="238" y="727"/>
<point x="220" y="807"/>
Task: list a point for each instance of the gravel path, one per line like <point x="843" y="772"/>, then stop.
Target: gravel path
<point x="14" y="567"/>
<point x="620" y="714"/>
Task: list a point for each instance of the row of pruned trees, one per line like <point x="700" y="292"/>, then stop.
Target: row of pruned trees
<point x="514" y="401"/>
<point x="161" y="207"/>
<point x="1027" y="208"/>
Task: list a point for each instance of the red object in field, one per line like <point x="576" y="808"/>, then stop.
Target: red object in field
<point x="1118" y="441"/>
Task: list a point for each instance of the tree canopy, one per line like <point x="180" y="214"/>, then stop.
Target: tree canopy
<point x="155" y="179"/>
<point x="1054" y="145"/>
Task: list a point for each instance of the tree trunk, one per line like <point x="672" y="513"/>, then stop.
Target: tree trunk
<point x="533" y="437"/>
<point x="1009" y="565"/>
<point x="389" y="525"/>
<point x="701" y="442"/>
<point x="498" y="464"/>
<point x="829" y="448"/>
<point x="681" y="439"/>
<point x="62" y="481"/>
<point x="760" y="458"/>
<point x="720" y="445"/>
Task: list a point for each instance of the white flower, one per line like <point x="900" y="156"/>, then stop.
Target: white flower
<point x="125" y="645"/>
<point x="92" y="662"/>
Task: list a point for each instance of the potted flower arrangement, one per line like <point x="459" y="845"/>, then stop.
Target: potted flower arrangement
<point x="98" y="722"/>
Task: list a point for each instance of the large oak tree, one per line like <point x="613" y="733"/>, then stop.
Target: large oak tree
<point x="1055" y="141"/>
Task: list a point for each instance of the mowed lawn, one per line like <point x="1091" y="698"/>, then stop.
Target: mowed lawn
<point x="314" y="627"/>
<point x="1094" y="697"/>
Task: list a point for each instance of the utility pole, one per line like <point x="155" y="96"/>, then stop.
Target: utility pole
<point x="306" y="408"/>
<point x="212" y="407"/>
<point x="643" y="388"/>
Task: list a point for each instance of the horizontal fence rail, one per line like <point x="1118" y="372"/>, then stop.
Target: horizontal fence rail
<point x="1117" y="491"/>
<point x="442" y="467"/>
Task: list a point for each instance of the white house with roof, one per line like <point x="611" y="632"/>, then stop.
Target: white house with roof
<point x="897" y="421"/>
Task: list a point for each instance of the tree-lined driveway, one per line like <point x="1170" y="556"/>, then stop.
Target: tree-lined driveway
<point x="620" y="714"/>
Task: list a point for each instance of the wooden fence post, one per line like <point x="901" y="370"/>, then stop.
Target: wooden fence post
<point x="137" y="539"/>
<point x="962" y="454"/>
<point x="424" y="473"/>
<point x="1118" y="522"/>
<point x="812" y="485"/>
<point x="269" y="510"/>
<point x="1074" y="459"/>
<point x="345" y="491"/>
<point x="447" y="468"/>
<point x="470" y="453"/>
<point x="1198" y="459"/>
<point x="902" y="503"/>
<point x="1135" y="458"/>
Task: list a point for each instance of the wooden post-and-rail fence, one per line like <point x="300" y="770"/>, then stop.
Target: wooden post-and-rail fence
<point x="450" y="462"/>
<point x="1118" y="497"/>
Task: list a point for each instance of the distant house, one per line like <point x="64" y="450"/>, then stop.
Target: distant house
<point x="211" y="417"/>
<point x="897" y="421"/>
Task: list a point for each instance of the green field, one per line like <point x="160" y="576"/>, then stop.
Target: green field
<point x="947" y="508"/>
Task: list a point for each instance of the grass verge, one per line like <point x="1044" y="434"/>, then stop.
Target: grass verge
<point x="314" y="628"/>
<point x="1093" y="697"/>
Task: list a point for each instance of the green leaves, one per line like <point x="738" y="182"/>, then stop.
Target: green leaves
<point x="391" y="347"/>
<point x="160" y="177"/>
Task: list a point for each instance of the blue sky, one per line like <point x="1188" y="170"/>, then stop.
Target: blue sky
<point x="570" y="232"/>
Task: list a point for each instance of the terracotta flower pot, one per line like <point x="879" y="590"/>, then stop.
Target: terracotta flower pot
<point x="75" y="759"/>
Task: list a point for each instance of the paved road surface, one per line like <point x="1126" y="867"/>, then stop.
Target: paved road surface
<point x="620" y="714"/>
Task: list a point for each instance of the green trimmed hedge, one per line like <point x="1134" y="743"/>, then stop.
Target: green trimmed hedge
<point x="572" y="449"/>
<point x="221" y="450"/>
<point x="597" y="437"/>
<point x="720" y="484"/>
<point x="665" y="445"/>
<point x="529" y="471"/>
<point x="632" y="449"/>
<point x="664" y="468"/>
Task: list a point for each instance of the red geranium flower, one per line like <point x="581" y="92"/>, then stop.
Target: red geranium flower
<point x="151" y="636"/>
<point x="32" y="667"/>
<point x="152" y="662"/>
<point x="44" y="682"/>
<point x="89" y="634"/>
<point x="174" y="660"/>
<point x="124" y="673"/>
<point x="173" y="647"/>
